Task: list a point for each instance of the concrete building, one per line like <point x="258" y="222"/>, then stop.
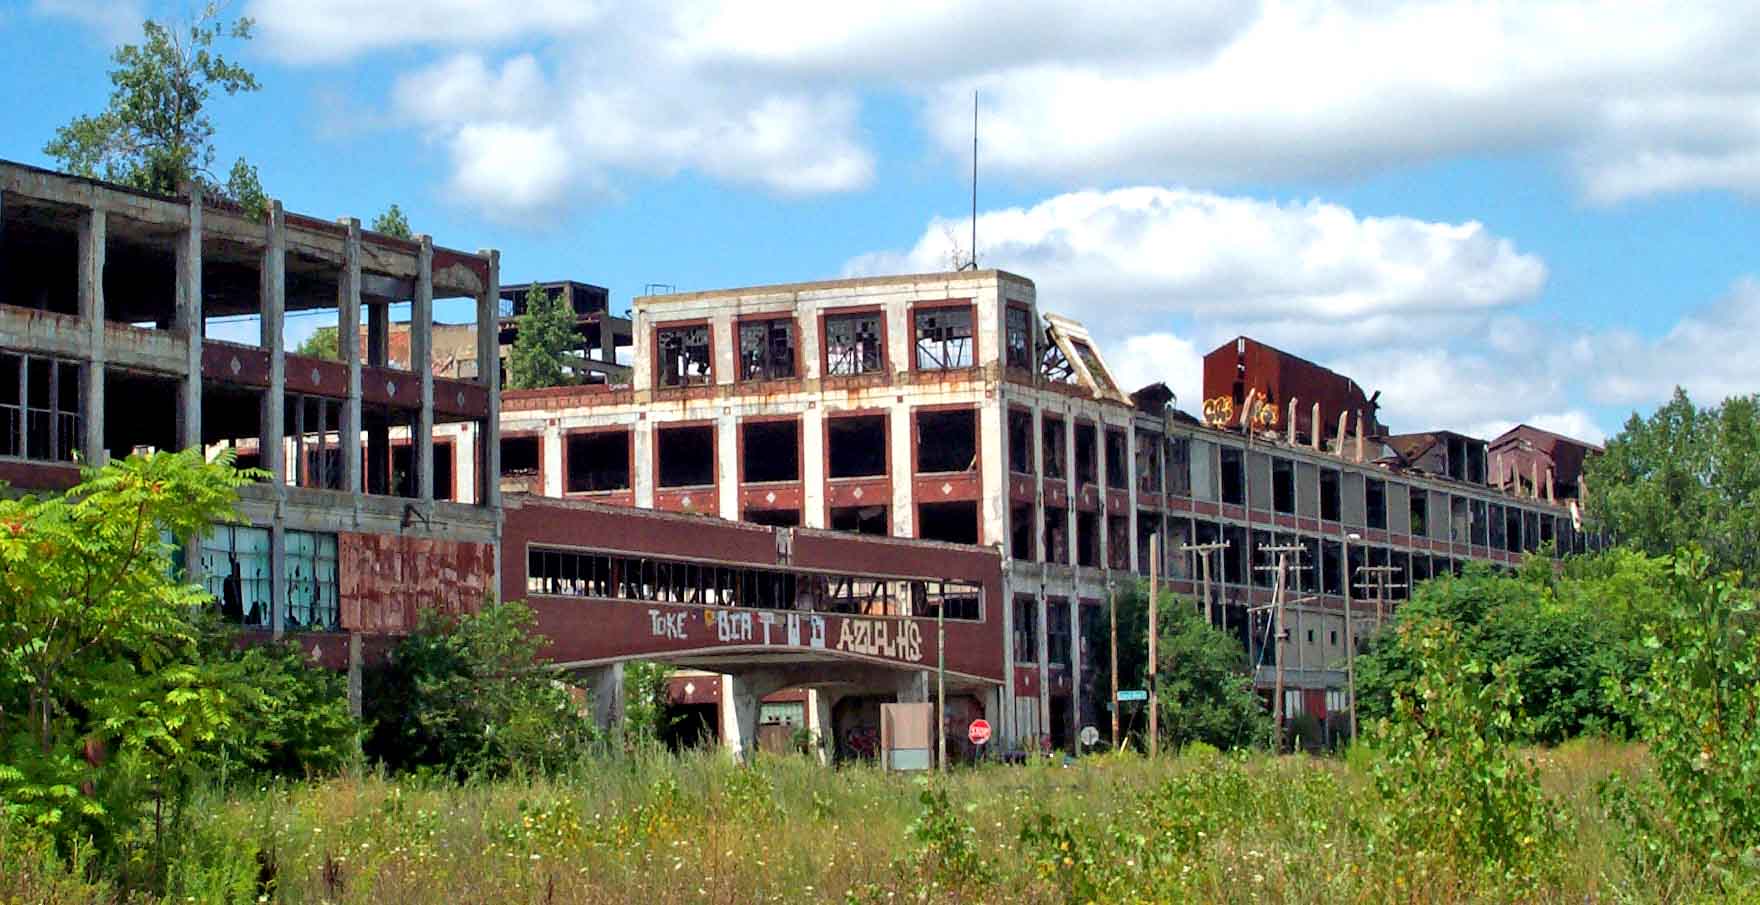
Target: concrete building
<point x="948" y="407"/>
<point x="108" y="302"/>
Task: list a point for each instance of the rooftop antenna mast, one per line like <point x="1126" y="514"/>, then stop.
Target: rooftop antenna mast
<point x="972" y="259"/>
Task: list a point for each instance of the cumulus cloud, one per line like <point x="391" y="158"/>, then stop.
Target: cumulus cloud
<point x="114" y="20"/>
<point x="1709" y="352"/>
<point x="320" y="31"/>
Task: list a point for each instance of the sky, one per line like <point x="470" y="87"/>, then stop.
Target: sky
<point x="1491" y="212"/>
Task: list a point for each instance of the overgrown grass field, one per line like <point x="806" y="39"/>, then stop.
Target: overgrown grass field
<point x="661" y="829"/>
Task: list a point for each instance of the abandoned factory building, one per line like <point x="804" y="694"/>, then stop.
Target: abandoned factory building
<point x="780" y="491"/>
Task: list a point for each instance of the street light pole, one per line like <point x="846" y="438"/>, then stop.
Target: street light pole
<point x="1154" y="681"/>
<point x="1112" y="610"/>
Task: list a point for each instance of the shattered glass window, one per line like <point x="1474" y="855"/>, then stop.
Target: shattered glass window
<point x="235" y="570"/>
<point x="853" y="344"/>
<point x="1095" y="368"/>
<point x="1019" y="328"/>
<point x="766" y="349"/>
<point x="684" y="355"/>
<point x="944" y="339"/>
<point x="1053" y="366"/>
<point x="311" y="582"/>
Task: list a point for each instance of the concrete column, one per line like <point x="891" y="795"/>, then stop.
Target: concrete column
<point x="348" y="343"/>
<point x="813" y="468"/>
<point x="489" y="375"/>
<point x="727" y="465"/>
<point x="92" y="236"/>
<point x="378" y="333"/>
<point x="1044" y="606"/>
<point x="277" y="575"/>
<point x="914" y="687"/>
<point x="189" y="324"/>
<point x="272" y="310"/>
<point x="421" y="360"/>
<point x="741" y="698"/>
<point x="1070" y="541"/>
<point x="1103" y="475"/>
<point x="1130" y="484"/>
<point x="644" y="454"/>
<point x="554" y="458"/>
<point x="821" y="704"/>
<point x="904" y="514"/>
<point x="605" y="694"/>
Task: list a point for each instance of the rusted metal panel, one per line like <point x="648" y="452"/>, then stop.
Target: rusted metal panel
<point x="316" y="376"/>
<point x="22" y="475"/>
<point x="229" y="363"/>
<point x="463" y="398"/>
<point x="1242" y="366"/>
<point x="385" y="581"/>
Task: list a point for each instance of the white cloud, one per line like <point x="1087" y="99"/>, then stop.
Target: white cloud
<point x="1138" y="257"/>
<point x="316" y="31"/>
<point x="114" y="20"/>
<point x="1709" y="352"/>
<point x="1159" y="357"/>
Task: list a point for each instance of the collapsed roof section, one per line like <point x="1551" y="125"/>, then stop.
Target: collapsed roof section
<point x="1071" y="357"/>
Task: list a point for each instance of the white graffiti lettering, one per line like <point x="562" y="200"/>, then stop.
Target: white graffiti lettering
<point x="733" y="627"/>
<point x="880" y="638"/>
<point x="667" y="625"/>
<point x="816" y="631"/>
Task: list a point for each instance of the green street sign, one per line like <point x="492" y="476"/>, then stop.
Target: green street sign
<point x="1135" y="695"/>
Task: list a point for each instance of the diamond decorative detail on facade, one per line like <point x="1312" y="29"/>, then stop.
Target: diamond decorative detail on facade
<point x="858" y="493"/>
<point x="236" y="365"/>
<point x="685" y="501"/>
<point x="946" y="488"/>
<point x="770" y="497"/>
<point x="390" y="388"/>
<point x="461" y="398"/>
<point x="317" y="377"/>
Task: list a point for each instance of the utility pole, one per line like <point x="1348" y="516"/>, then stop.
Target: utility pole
<point x="941" y="682"/>
<point x="1380" y="586"/>
<point x="1112" y="610"/>
<point x="1278" y="598"/>
<point x="1350" y="636"/>
<point x="1154" y="627"/>
<point x="1204" y="551"/>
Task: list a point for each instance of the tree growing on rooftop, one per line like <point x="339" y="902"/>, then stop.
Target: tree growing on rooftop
<point x="541" y="348"/>
<point x="155" y="134"/>
<point x="393" y="223"/>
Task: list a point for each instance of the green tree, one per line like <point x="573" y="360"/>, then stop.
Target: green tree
<point x="393" y="223"/>
<point x="323" y="343"/>
<point x="155" y="134"/>
<point x="1685" y="476"/>
<point x="470" y="696"/>
<point x="541" y="348"/>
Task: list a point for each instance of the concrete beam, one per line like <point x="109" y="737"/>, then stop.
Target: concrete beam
<point x="421" y="358"/>
<point x="348" y="342"/>
<point x="489" y="375"/>
<point x="272" y="310"/>
<point x="92" y="237"/>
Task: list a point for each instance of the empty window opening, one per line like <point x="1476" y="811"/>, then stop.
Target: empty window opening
<point x="947" y="440"/>
<point x="770" y="451"/>
<point x="1058" y="649"/>
<point x="861" y="520"/>
<point x="854" y="344"/>
<point x="1116" y="460"/>
<point x="1148" y="462"/>
<point x="1020" y="532"/>
<point x="1087" y="539"/>
<point x="140" y="412"/>
<point x="1087" y="457"/>
<point x="955" y="523"/>
<point x="1332" y="568"/>
<point x="1019" y="327"/>
<point x="1331" y="499"/>
<point x="775" y="518"/>
<point x="1148" y="525"/>
<point x="40" y="254"/>
<point x="1481" y="523"/>
<point x="1234" y="477"/>
<point x="443" y="471"/>
<point x="687" y="456"/>
<point x="682" y="355"/>
<point x="1283" y="486"/>
<point x="856" y="446"/>
<point x="1057" y="536"/>
<point x="39" y="408"/>
<point x="140" y="278"/>
<point x="1375" y="492"/>
<point x="1020" y="441"/>
<point x="944" y="338"/>
<point x="598" y="461"/>
<point x="1179" y="466"/>
<point x="1026" y="630"/>
<point x="386" y="472"/>
<point x="521" y="459"/>
<point x="1546" y="529"/>
<point x="1055" y="453"/>
<point x="1420" y="508"/>
<point x="1531" y="531"/>
<point x="1513" y="529"/>
<point x="1234" y="559"/>
<point x="766" y="349"/>
<point x="1264" y="561"/>
<point x="313" y="421"/>
<point x="1118" y="542"/>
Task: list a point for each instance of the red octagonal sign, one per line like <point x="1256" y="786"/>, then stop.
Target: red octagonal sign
<point x="979" y="732"/>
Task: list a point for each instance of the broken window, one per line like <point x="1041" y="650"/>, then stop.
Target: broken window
<point x="235" y="571"/>
<point x="311" y="583"/>
<point x="598" y="461"/>
<point x="1057" y="632"/>
<point x="1283" y="486"/>
<point x="39" y="408"/>
<point x="1020" y="441"/>
<point x="861" y="520"/>
<point x="520" y="456"/>
<point x="1332" y="568"/>
<point x="770" y="451"/>
<point x="1481" y="523"/>
<point x="1375" y="493"/>
<point x="683" y="357"/>
<point x="1057" y="536"/>
<point x="1234" y="558"/>
<point x="766" y="349"/>
<point x="954" y="523"/>
<point x="687" y="456"/>
<point x="1234" y="477"/>
<point x="1179" y="467"/>
<point x="944" y="338"/>
<point x="1088" y="539"/>
<point x="1026" y="630"/>
<point x="854" y="344"/>
<point x="1420" y="509"/>
<point x="1116" y="476"/>
<point x="947" y="440"/>
<point x="1053" y="366"/>
<point x="1087" y="457"/>
<point x="1056" y="456"/>
<point x="1118" y="542"/>
<point x="1018" y="324"/>
<point x="1020" y="531"/>
<point x="1148" y="454"/>
<point x="1499" y="527"/>
<point x="856" y="446"/>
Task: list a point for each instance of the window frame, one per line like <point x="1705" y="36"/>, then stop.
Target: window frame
<point x="685" y="382"/>
<point x="883" y="352"/>
<point x="739" y="364"/>
<point x="920" y="309"/>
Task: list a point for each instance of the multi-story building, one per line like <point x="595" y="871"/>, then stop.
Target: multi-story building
<point x="112" y="305"/>
<point x="948" y="407"/>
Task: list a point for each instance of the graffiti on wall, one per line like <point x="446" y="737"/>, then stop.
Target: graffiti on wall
<point x="888" y="638"/>
<point x="882" y="638"/>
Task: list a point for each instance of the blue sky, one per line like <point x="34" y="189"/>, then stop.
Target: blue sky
<point x="1486" y="211"/>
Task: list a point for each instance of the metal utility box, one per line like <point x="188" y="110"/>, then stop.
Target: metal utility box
<point x="907" y="736"/>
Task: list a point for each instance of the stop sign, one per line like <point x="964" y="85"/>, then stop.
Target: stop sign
<point x="979" y="732"/>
